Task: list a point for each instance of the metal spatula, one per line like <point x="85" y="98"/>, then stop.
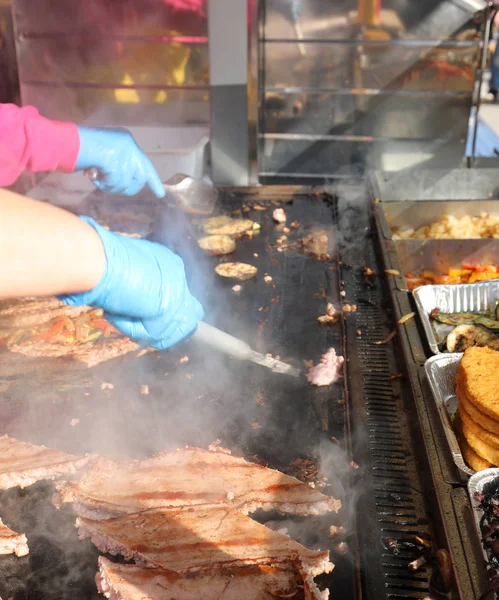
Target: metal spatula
<point x="192" y="195"/>
<point x="227" y="344"/>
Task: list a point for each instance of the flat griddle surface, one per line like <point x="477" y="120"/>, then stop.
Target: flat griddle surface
<point x="274" y="418"/>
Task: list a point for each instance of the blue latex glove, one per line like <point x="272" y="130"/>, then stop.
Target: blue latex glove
<point x="123" y="167"/>
<point x="143" y="291"/>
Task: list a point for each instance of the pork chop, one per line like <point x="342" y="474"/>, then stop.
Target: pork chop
<point x="190" y="477"/>
<point x="12" y="542"/>
<point x="22" y="464"/>
<point x="199" y="539"/>
<point x="131" y="582"/>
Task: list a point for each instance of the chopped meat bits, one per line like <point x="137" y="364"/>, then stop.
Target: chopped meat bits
<point x="336" y="530"/>
<point x="328" y="370"/>
<point x="279" y="215"/>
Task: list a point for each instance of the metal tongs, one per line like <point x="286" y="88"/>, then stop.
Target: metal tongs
<point x="193" y="196"/>
<point x="227" y="344"/>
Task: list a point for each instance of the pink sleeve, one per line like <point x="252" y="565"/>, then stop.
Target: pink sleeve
<point x="30" y="142"/>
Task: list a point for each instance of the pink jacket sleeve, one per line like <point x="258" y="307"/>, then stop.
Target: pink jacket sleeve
<point x="30" y="142"/>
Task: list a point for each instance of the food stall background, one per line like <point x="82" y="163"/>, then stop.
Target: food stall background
<point x="339" y="85"/>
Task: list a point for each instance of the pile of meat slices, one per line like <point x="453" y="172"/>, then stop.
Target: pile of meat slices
<point x="44" y="334"/>
<point x="183" y="518"/>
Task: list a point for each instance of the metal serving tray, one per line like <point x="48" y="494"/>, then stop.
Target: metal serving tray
<point x="441" y="373"/>
<point x="479" y="482"/>
<point x="465" y="297"/>
<point x="438" y="256"/>
<point x="395" y="215"/>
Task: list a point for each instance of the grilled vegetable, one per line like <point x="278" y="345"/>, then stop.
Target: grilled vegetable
<point x="488" y="323"/>
<point x="217" y="244"/>
<point x="464" y="336"/>
<point x="236" y="270"/>
<point x="227" y="226"/>
<point x="454" y="318"/>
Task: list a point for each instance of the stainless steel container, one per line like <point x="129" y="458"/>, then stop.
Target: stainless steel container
<point x="481" y="482"/>
<point x="465" y="297"/>
<point x="441" y="373"/>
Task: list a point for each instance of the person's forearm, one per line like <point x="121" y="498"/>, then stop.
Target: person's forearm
<point x="30" y="142"/>
<point x="45" y="250"/>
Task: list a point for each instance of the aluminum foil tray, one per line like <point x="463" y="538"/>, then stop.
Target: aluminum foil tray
<point x="465" y="297"/>
<point x="481" y="482"/>
<point x="441" y="373"/>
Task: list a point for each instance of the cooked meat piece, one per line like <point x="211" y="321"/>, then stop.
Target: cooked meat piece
<point x="328" y="371"/>
<point x="332" y="315"/>
<point x="236" y="289"/>
<point x="349" y="308"/>
<point x="236" y="270"/>
<point x="231" y="227"/>
<point x="217" y="244"/>
<point x="32" y="312"/>
<point x="45" y="356"/>
<point x="12" y="542"/>
<point x="316" y="242"/>
<point x="190" y="477"/>
<point x="131" y="582"/>
<point x="279" y="215"/>
<point x="22" y="464"/>
<point x="199" y="539"/>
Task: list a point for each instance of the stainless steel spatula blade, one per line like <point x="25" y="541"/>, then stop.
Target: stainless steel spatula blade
<point x="192" y="195"/>
<point x="227" y="344"/>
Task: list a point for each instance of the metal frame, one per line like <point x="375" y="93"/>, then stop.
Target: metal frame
<point x="488" y="16"/>
<point x="360" y="92"/>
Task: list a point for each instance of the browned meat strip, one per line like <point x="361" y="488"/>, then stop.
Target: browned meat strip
<point x="48" y="356"/>
<point x="32" y="312"/>
<point x="22" y="464"/>
<point x="12" y="542"/>
<point x="131" y="582"/>
<point x="199" y="539"/>
<point x="190" y="477"/>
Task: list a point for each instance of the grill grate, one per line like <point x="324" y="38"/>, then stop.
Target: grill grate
<point x="392" y="506"/>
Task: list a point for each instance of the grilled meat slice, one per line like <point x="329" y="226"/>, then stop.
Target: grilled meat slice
<point x="12" y="542"/>
<point x="22" y="464"/>
<point x="190" y="477"/>
<point x="130" y="582"/>
<point x="32" y="312"/>
<point x="50" y="356"/>
<point x="199" y="539"/>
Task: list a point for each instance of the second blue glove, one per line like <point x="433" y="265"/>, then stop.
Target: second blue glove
<point x="143" y="291"/>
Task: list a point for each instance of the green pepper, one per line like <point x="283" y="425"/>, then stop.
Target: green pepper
<point x="488" y="323"/>
<point x="93" y="335"/>
<point x="455" y="318"/>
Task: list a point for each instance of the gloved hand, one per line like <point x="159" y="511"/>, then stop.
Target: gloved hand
<point x="143" y="291"/>
<point x="123" y="167"/>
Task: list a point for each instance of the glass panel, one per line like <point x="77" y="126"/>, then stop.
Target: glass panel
<point x="404" y="69"/>
<point x="111" y="17"/>
<point x="100" y="108"/>
<point x="109" y="62"/>
<point x="75" y="54"/>
<point x="339" y="19"/>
